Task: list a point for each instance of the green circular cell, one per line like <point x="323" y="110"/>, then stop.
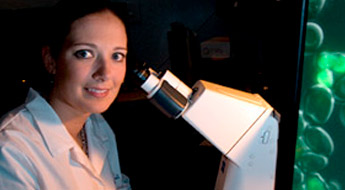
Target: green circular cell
<point x="315" y="7"/>
<point x="339" y="89"/>
<point x="325" y="77"/>
<point x="302" y="124"/>
<point x="300" y="187"/>
<point x="319" y="141"/>
<point x="298" y="176"/>
<point x="326" y="60"/>
<point x="342" y="114"/>
<point x="315" y="182"/>
<point x="314" y="36"/>
<point x="318" y="104"/>
<point x="301" y="147"/>
<point x="334" y="185"/>
<point x="339" y="66"/>
<point x="310" y="162"/>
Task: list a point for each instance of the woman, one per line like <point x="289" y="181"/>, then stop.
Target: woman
<point x="61" y="141"/>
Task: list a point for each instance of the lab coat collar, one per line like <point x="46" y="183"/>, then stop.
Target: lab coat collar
<point x="98" y="142"/>
<point x="56" y="136"/>
<point x="58" y="139"/>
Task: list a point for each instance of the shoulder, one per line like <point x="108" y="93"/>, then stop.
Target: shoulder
<point x="13" y="139"/>
<point x="17" y="171"/>
<point x="10" y="116"/>
<point x="18" y="131"/>
<point x="17" y="120"/>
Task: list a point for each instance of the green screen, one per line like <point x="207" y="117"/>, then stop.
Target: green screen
<point x="320" y="153"/>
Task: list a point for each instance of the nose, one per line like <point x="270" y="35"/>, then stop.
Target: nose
<point x="102" y="69"/>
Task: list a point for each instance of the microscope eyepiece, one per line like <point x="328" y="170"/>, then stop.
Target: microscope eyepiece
<point x="141" y="74"/>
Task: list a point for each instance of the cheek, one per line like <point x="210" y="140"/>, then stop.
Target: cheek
<point x="70" y="75"/>
<point x="119" y="74"/>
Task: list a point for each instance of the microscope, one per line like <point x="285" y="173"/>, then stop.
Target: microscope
<point x="241" y="125"/>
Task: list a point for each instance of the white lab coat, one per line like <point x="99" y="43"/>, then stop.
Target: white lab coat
<point x="37" y="152"/>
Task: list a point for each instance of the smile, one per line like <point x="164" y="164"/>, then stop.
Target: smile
<point x="99" y="93"/>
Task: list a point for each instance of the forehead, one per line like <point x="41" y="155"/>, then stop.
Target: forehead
<point x="102" y="24"/>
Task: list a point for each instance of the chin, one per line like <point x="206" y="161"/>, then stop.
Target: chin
<point x="97" y="108"/>
<point x="100" y="109"/>
<point x="100" y="106"/>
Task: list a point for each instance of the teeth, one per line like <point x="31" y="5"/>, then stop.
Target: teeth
<point x="96" y="90"/>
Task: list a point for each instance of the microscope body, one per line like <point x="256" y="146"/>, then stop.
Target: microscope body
<point x="243" y="126"/>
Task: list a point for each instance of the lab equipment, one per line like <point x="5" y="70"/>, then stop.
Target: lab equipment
<point x="242" y="125"/>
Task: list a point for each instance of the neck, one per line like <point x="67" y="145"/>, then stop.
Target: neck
<point x="73" y="120"/>
<point x="74" y="125"/>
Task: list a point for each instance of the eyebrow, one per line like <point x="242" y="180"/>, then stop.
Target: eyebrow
<point x="120" y="48"/>
<point x="94" y="46"/>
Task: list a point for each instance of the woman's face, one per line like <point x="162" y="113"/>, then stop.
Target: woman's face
<point x="92" y="64"/>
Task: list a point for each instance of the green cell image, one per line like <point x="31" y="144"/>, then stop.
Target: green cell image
<point x="319" y="152"/>
<point x="311" y="162"/>
<point x="339" y="89"/>
<point x="319" y="141"/>
<point x="318" y="104"/>
<point x="316" y="182"/>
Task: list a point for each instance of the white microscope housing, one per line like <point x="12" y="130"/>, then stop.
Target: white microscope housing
<point x="243" y="126"/>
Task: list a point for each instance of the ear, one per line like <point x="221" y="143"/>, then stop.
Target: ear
<point x="48" y="60"/>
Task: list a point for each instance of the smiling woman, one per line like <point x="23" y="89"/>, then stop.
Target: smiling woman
<point x="90" y="67"/>
<point x="61" y="141"/>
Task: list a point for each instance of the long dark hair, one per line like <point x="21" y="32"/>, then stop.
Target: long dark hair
<point x="65" y="12"/>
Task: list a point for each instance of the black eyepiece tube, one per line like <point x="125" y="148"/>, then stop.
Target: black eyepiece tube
<point x="141" y="74"/>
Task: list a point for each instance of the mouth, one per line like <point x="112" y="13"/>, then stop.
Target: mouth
<point x="97" y="92"/>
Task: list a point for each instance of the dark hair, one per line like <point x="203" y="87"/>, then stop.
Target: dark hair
<point x="65" y="12"/>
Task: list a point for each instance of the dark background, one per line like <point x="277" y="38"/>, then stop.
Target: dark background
<point x="157" y="152"/>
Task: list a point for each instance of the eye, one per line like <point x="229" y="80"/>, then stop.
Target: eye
<point x="118" y="56"/>
<point x="83" y="54"/>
